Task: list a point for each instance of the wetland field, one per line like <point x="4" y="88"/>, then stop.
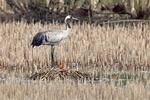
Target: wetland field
<point x="118" y="57"/>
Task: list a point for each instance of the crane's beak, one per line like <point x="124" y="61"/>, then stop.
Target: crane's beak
<point x="75" y="18"/>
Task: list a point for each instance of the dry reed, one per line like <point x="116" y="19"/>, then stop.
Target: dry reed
<point x="13" y="89"/>
<point x="87" y="45"/>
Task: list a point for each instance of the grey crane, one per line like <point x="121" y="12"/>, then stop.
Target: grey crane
<point x="52" y="37"/>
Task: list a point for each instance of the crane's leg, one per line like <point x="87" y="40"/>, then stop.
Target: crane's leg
<point x="52" y="55"/>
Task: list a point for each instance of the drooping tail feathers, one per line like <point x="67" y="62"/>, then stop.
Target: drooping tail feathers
<point x="37" y="40"/>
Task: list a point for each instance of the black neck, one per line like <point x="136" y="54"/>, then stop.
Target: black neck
<point x="68" y="25"/>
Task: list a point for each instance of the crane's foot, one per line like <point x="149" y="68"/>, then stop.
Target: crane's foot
<point x="53" y="64"/>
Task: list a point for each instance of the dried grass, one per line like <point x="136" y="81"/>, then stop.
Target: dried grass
<point x="13" y="89"/>
<point x="87" y="45"/>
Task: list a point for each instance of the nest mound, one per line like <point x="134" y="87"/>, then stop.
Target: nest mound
<point x="52" y="74"/>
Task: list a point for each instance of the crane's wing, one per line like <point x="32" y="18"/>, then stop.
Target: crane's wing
<point x="50" y="37"/>
<point x="54" y="36"/>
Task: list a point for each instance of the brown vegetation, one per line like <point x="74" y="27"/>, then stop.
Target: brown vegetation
<point x="56" y="10"/>
<point x="92" y="47"/>
<point x="60" y="74"/>
<point x="87" y="45"/>
<point x="89" y="49"/>
<point x="13" y="89"/>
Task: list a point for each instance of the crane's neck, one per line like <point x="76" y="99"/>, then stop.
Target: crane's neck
<point x="67" y="30"/>
<point x="68" y="27"/>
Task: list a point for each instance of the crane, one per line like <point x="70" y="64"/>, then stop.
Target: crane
<point x="52" y="37"/>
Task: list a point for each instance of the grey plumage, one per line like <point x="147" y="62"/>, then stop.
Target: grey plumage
<point x="52" y="37"/>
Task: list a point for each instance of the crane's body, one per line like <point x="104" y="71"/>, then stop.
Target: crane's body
<point x="52" y="37"/>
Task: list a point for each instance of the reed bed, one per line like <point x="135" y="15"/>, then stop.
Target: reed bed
<point x="87" y="45"/>
<point x="13" y="89"/>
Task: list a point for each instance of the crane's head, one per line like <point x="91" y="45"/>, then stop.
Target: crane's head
<point x="68" y="18"/>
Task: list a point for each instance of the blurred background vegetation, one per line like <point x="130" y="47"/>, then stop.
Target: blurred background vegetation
<point x="86" y="10"/>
